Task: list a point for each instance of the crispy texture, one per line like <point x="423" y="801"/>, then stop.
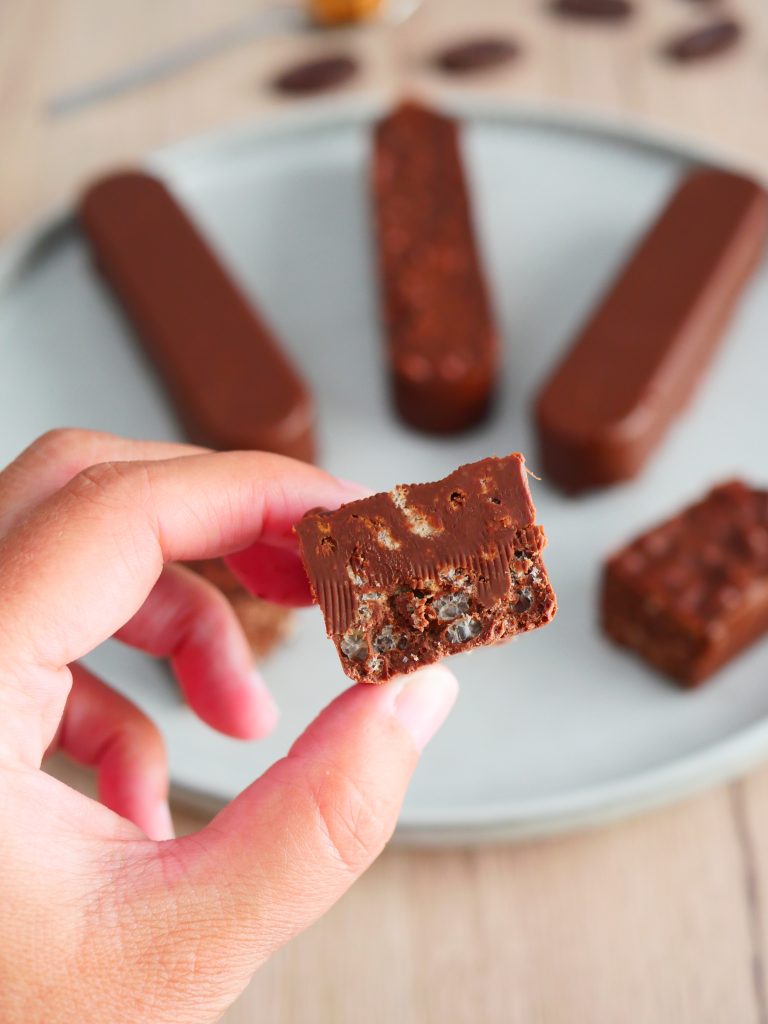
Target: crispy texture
<point x="691" y="593"/>
<point x="441" y="344"/>
<point x="407" y="577"/>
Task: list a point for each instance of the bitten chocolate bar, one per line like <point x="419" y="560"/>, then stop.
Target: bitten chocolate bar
<point x="442" y="347"/>
<point x="643" y="351"/>
<point x="692" y="593"/>
<point x="232" y="385"/>
<point x="407" y="577"/>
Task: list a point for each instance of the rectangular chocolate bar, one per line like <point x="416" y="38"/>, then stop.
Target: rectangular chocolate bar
<point x="641" y="354"/>
<point x="692" y="593"/>
<point x="232" y="384"/>
<point x="442" y="347"/>
<point x="407" y="577"/>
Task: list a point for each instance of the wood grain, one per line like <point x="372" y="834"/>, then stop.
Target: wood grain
<point x="657" y="920"/>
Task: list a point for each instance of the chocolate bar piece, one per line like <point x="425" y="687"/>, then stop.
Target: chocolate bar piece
<point x="706" y="41"/>
<point x="232" y="385"/>
<point x="265" y="624"/>
<point x="477" y="54"/>
<point x="642" y="352"/>
<point x="598" y="10"/>
<point x="318" y="75"/>
<point x="442" y="347"/>
<point x="407" y="577"/>
<point x="692" y="593"/>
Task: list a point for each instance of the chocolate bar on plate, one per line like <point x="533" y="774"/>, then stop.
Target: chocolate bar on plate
<point x="441" y="346"/>
<point x="644" y="349"/>
<point x="691" y="593"/>
<point x="233" y="385"/>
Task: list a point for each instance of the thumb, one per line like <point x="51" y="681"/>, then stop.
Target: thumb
<point x="287" y="848"/>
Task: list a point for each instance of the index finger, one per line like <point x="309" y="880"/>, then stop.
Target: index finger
<point x="80" y="565"/>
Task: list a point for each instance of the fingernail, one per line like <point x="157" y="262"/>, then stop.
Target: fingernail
<point x="159" y="823"/>
<point x="424" y="700"/>
<point x="267" y="710"/>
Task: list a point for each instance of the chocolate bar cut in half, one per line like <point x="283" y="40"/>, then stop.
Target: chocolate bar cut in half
<point x="691" y="593"/>
<point x="406" y="577"/>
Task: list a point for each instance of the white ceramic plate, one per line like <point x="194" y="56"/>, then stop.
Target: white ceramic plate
<point x="558" y="729"/>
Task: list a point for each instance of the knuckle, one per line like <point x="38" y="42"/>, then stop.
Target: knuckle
<point x="355" y="823"/>
<point x="107" y="483"/>
<point x="61" y="444"/>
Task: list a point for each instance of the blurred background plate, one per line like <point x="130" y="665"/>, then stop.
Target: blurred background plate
<point x="558" y="729"/>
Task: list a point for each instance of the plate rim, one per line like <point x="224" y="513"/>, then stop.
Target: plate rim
<point x="589" y="806"/>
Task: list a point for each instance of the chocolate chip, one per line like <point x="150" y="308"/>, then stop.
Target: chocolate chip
<point x="477" y="54"/>
<point x="316" y="75"/>
<point x="602" y="10"/>
<point x="704" y="42"/>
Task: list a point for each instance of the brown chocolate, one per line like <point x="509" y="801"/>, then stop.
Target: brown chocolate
<point x="316" y="75"/>
<point x="442" y="347"/>
<point x="265" y="624"/>
<point x="707" y="41"/>
<point x="477" y="54"/>
<point x="407" y="577"/>
<point x="597" y="10"/>
<point x="692" y="593"/>
<point x="232" y="384"/>
<point x="638" y="359"/>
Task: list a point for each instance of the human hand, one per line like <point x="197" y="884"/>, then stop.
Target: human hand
<point x="103" y="916"/>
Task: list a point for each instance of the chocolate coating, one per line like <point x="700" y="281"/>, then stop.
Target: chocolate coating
<point x="707" y="41"/>
<point x="692" y="593"/>
<point x="316" y="75"/>
<point x="407" y="577"/>
<point x="597" y="10"/>
<point x="442" y="347"/>
<point x="477" y="54"/>
<point x="638" y="359"/>
<point x="231" y="383"/>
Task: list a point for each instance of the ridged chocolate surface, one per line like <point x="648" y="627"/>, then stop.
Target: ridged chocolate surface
<point x="408" y="576"/>
<point x="442" y="346"/>
<point x="638" y="359"/>
<point x="691" y="593"/>
<point x="232" y="385"/>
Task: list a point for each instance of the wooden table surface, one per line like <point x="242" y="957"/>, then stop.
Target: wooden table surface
<point x="660" y="919"/>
